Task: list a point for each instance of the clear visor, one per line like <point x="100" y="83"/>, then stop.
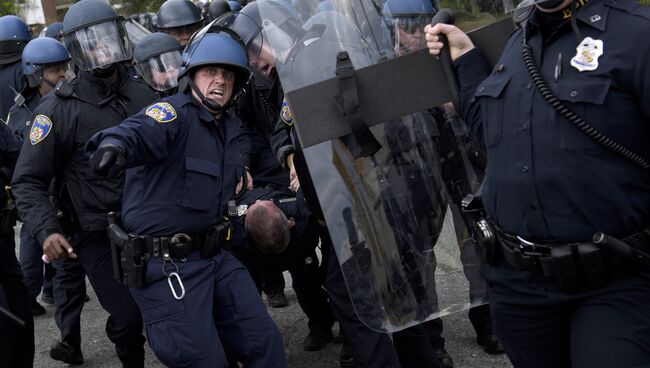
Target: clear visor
<point x="281" y="40"/>
<point x="408" y="33"/>
<point x="161" y="71"/>
<point x="99" y="45"/>
<point x="52" y="73"/>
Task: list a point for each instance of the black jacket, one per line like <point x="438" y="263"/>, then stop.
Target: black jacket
<point x="63" y="122"/>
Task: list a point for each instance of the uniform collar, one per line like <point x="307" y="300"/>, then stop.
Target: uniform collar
<point x="594" y="14"/>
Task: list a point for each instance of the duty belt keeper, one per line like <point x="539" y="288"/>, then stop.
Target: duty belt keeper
<point x="565" y="269"/>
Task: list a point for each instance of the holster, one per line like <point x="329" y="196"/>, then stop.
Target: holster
<point x="217" y="237"/>
<point x="128" y="255"/>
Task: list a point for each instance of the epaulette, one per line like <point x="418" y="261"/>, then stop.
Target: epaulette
<point x="63" y="89"/>
<point x="632" y="7"/>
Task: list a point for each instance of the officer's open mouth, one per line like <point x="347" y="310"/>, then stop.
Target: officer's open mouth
<point x="216" y="93"/>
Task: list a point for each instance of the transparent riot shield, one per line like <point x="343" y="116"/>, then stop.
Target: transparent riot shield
<point x="388" y="155"/>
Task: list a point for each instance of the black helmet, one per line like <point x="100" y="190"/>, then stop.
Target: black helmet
<point x="54" y="30"/>
<point x="14" y="35"/>
<point x="157" y="59"/>
<point x="95" y="35"/>
<point x="178" y="13"/>
<point x="218" y="8"/>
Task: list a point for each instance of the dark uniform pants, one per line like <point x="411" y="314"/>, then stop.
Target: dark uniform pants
<point x="124" y="324"/>
<point x="16" y="343"/>
<point x="69" y="291"/>
<point x="32" y="266"/>
<point x="541" y="326"/>
<point x="221" y="312"/>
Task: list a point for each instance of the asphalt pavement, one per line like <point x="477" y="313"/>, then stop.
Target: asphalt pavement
<point x="99" y="351"/>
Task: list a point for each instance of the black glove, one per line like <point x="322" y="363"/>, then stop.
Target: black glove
<point x="107" y="161"/>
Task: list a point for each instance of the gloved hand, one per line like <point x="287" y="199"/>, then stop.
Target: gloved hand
<point x="107" y="161"/>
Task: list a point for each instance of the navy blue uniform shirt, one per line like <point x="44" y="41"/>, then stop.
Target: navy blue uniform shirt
<point x="11" y="75"/>
<point x="546" y="180"/>
<point x="184" y="166"/>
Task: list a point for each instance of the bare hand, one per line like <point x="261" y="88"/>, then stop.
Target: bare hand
<point x="459" y="42"/>
<point x="249" y="180"/>
<point x="56" y="247"/>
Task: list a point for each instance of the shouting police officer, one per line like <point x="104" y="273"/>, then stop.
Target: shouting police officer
<point x="101" y="96"/>
<point x="564" y="118"/>
<point x="199" y="302"/>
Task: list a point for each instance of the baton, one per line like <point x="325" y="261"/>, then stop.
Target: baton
<point x="19" y="321"/>
<point x="446" y="16"/>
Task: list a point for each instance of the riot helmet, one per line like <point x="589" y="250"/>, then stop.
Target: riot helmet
<point x="179" y="18"/>
<point x="218" y="8"/>
<point x="157" y="59"/>
<point x="407" y="19"/>
<point x="53" y="31"/>
<point x="325" y="5"/>
<point x="219" y="47"/>
<point x="14" y="35"/>
<point x="45" y="55"/>
<point x="95" y="35"/>
<point x="234" y="5"/>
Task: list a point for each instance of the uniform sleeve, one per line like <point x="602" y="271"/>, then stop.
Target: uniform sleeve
<point x="245" y="142"/>
<point x="9" y="146"/>
<point x="281" y="142"/>
<point x="141" y="138"/>
<point x="472" y="68"/>
<point x="40" y="158"/>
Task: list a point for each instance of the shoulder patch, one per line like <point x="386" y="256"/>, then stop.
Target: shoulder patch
<point x="162" y="112"/>
<point x="40" y="129"/>
<point x="286" y="115"/>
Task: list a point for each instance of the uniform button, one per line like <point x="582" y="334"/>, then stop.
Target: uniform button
<point x="573" y="93"/>
<point x="500" y="68"/>
<point x="481" y="88"/>
<point x="523" y="127"/>
<point x="524" y="169"/>
<point x="529" y="86"/>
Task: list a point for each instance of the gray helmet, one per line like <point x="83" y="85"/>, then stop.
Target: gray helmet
<point x="178" y="13"/>
<point x="95" y="35"/>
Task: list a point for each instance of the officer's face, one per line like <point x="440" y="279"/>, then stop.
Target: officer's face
<point x="53" y="74"/>
<point x="215" y="83"/>
<point x="183" y="34"/>
<point x="261" y="58"/>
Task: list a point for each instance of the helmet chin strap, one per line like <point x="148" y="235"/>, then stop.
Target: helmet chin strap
<point x="214" y="107"/>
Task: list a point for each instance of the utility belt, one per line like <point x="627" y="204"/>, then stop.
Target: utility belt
<point x="130" y="252"/>
<point x="575" y="266"/>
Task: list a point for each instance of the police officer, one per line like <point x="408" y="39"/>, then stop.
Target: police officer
<point x="216" y="8"/>
<point x="16" y="340"/>
<point x="562" y="294"/>
<point x="101" y="96"/>
<point x="199" y="301"/>
<point x="180" y="19"/>
<point x="157" y="59"/>
<point x="14" y="35"/>
<point x="45" y="61"/>
<point x="407" y="19"/>
<point x="260" y="109"/>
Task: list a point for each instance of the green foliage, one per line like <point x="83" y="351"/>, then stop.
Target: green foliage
<point x="644" y="2"/>
<point x="141" y="6"/>
<point x="7" y="8"/>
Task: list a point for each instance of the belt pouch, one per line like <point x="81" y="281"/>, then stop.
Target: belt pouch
<point x="565" y="268"/>
<point x="593" y="265"/>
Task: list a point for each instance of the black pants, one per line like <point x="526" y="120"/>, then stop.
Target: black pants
<point x="541" y="326"/>
<point x="16" y="343"/>
<point x="69" y="290"/>
<point x="124" y="324"/>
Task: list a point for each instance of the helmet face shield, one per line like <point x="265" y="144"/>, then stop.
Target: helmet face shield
<point x="408" y="33"/>
<point x="99" y="45"/>
<point x="161" y="71"/>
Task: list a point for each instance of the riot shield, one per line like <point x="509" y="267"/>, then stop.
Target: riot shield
<point x="389" y="157"/>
